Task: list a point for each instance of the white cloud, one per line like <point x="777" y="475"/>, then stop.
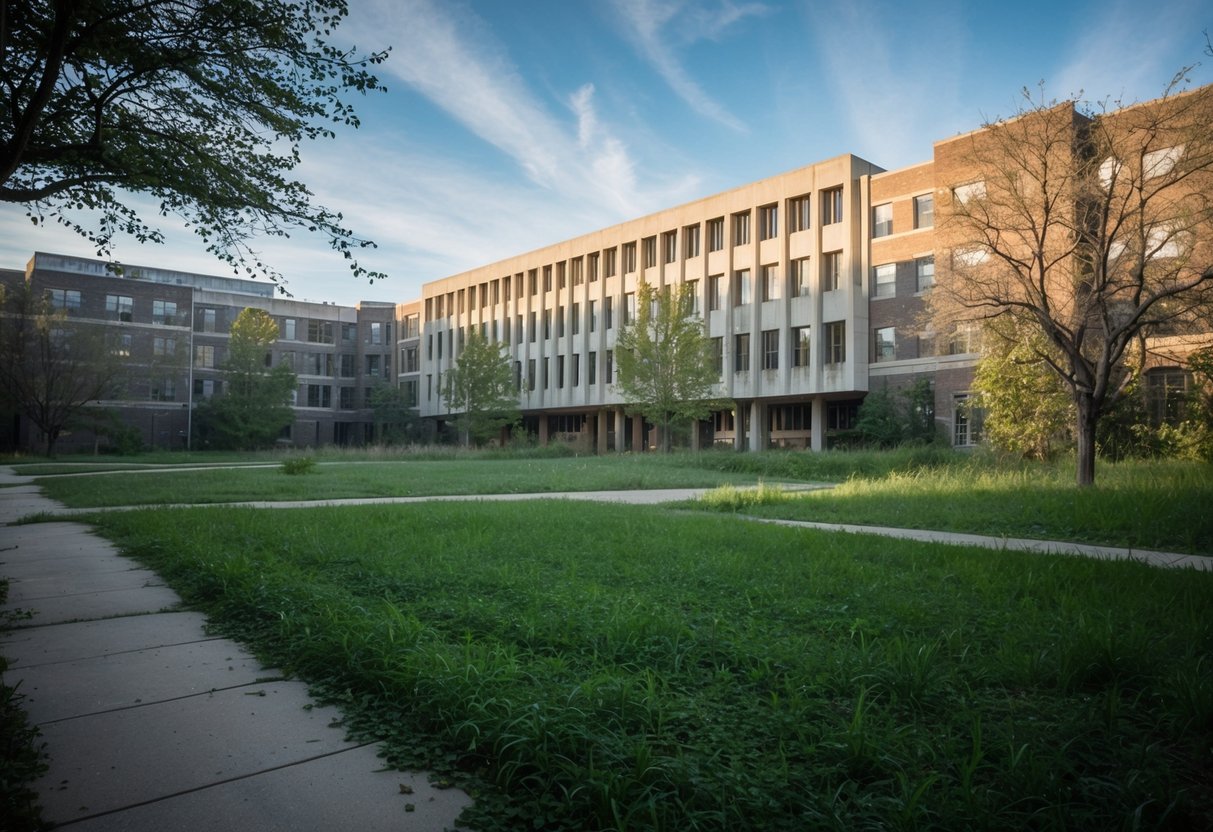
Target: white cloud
<point x="646" y="23"/>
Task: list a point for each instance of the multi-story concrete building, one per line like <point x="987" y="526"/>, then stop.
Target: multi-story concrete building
<point x="812" y="287"/>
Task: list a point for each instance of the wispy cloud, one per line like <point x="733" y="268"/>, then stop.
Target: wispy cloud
<point x="1125" y="52"/>
<point x="647" y="23"/>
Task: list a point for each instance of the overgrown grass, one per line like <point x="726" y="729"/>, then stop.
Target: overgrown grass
<point x="385" y="479"/>
<point x="22" y="756"/>
<point x="601" y="667"/>
<point x="1144" y="505"/>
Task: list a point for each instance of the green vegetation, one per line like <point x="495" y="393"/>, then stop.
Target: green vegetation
<point x="628" y="668"/>
<point x="22" y="760"/>
<point x="297" y="465"/>
<point x="480" y="389"/>
<point x="1144" y="505"/>
<point x="383" y="479"/>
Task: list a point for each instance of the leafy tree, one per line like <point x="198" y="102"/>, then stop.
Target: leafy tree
<point x="887" y="418"/>
<point x="1027" y="408"/>
<point x="480" y="389"/>
<point x="666" y="370"/>
<point x="396" y="419"/>
<point x="201" y="105"/>
<point x="51" y="366"/>
<point x="1092" y="230"/>
<point x="255" y="404"/>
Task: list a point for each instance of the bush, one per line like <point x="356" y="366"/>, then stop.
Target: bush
<point x="298" y="465"/>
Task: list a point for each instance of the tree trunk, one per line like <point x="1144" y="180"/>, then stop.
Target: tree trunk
<point x="1087" y="419"/>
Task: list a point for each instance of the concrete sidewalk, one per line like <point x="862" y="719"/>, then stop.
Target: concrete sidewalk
<point x="152" y="724"/>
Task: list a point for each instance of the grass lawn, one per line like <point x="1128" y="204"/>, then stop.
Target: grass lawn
<point x="1145" y="505"/>
<point x="606" y="667"/>
<point x="385" y="479"/>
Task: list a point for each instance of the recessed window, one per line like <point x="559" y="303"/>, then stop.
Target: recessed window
<point x="802" y="277"/>
<point x="770" y="282"/>
<point x="714" y="281"/>
<point x="966" y="420"/>
<point x="831" y="271"/>
<point x="66" y="299"/>
<point x="963" y="194"/>
<point x="768" y="222"/>
<point x="669" y="247"/>
<point x="690" y="237"/>
<point x="718" y="356"/>
<point x="924" y="211"/>
<point x="692" y="295"/>
<point x="885" y="346"/>
<point x="882" y="220"/>
<point x="716" y="234"/>
<point x="884" y="283"/>
<point x="925" y="268"/>
<point x="831" y="206"/>
<point x="742" y="291"/>
<point x="741" y="353"/>
<point x="121" y="308"/>
<point x="608" y="265"/>
<point x="741" y="228"/>
<point x="770" y="349"/>
<point x="649" y="248"/>
<point x="1160" y="162"/>
<point x="800" y="209"/>
<point x="629" y="258"/>
<point x="801" y="341"/>
<point x="836" y="342"/>
<point x="969" y="257"/>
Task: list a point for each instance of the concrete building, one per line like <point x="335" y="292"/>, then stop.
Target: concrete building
<point x="812" y="287"/>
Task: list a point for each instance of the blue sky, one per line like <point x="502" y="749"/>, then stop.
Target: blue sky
<point x="511" y="125"/>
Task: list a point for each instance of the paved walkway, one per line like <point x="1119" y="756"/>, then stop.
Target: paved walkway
<point x="151" y="724"/>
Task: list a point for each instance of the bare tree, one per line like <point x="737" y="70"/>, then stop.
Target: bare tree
<point x="1094" y="229"/>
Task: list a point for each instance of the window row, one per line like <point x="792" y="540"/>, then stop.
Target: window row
<point x="924" y="215"/>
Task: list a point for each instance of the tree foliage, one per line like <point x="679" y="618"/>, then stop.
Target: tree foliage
<point x="1091" y="230"/>
<point x="665" y="367"/>
<point x="255" y="404"/>
<point x="396" y="419"/>
<point x="1028" y="411"/>
<point x="889" y="418"/>
<point x="480" y="390"/>
<point x="52" y="366"/>
<point x="201" y="105"/>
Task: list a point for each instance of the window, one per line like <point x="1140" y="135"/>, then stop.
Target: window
<point x="410" y="360"/>
<point x="560" y="371"/>
<point x="966" y="338"/>
<point x="592" y="267"/>
<point x="1167" y="391"/>
<point x="742" y="290"/>
<point x="770" y="349"/>
<point x="831" y="272"/>
<point x="925" y="268"/>
<point x="608" y="266"/>
<point x="121" y="308"/>
<point x="836" y="342"/>
<point x="718" y="356"/>
<point x="966" y="421"/>
<point x="1109" y="170"/>
<point x="591" y="368"/>
<point x="884" y="283"/>
<point x="691" y="288"/>
<point x="288" y="329"/>
<point x="885" y="345"/>
<point x="608" y="312"/>
<point x="375" y="334"/>
<point x="121" y="346"/>
<point x="961" y="194"/>
<point x="206" y="320"/>
<point x="714" y="291"/>
<point x="669" y="246"/>
<point x="576" y="318"/>
<point x="716" y="234"/>
<point x="204" y="356"/>
<point x="831" y="206"/>
<point x="799" y="212"/>
<point x="741" y="228"/>
<point x="66" y="299"/>
<point x="346" y="398"/>
<point x="547" y="376"/>
<point x="882" y="220"/>
<point x="841" y="415"/>
<point x="649" y="252"/>
<point x="593" y="310"/>
<point x="801" y="278"/>
<point x="629" y="308"/>
<point x="690" y="241"/>
<point x="969" y="257"/>
<point x="1160" y="162"/>
<point x="164" y="347"/>
<point x="575" y="267"/>
<point x="164" y="390"/>
<point x="1162" y="242"/>
<point x="800" y="346"/>
<point x="517" y="329"/>
<point x="741" y="353"/>
<point x="770" y="282"/>
<point x="559" y="321"/>
<point x="575" y="370"/>
<point x="768" y="222"/>
<point x="320" y="332"/>
<point x="164" y="312"/>
<point x="319" y="395"/>
<point x="205" y="388"/>
<point x="531" y="327"/>
<point x="410" y="392"/>
<point x="610" y="366"/>
<point x="561" y="273"/>
<point x="924" y="211"/>
<point x="629" y="258"/>
<point x="530" y="374"/>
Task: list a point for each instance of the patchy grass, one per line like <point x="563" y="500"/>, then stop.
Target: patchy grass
<point x="606" y="667"/>
<point x="22" y="756"/>
<point x="1144" y="505"/>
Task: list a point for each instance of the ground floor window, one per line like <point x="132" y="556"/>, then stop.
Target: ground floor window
<point x="966" y="420"/>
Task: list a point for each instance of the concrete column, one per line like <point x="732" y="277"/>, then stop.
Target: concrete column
<point x="600" y="429"/>
<point x="739" y="434"/>
<point x="619" y="429"/>
<point x="696" y="426"/>
<point x="543" y="429"/>
<point x="758" y="426"/>
<point x="638" y="433"/>
<point x="818" y="425"/>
